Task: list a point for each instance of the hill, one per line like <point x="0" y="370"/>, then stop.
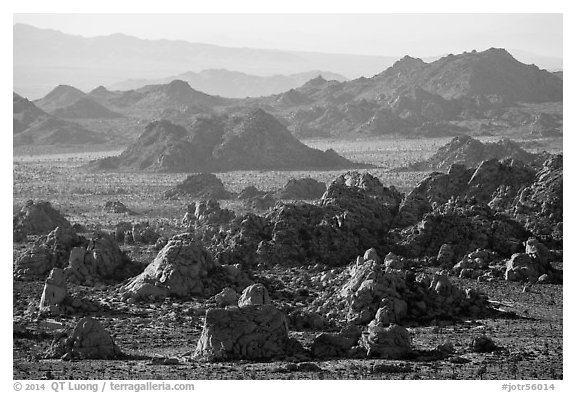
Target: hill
<point x="252" y="141"/>
<point x="33" y="126"/>
<point x="72" y="103"/>
<point x="470" y="152"/>
<point x="153" y="101"/>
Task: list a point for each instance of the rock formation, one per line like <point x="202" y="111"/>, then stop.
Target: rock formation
<point x="48" y="252"/>
<point x="54" y="294"/>
<point x="179" y="269"/>
<point x="102" y="259"/>
<point x="469" y="152"/>
<point x="200" y="186"/>
<point x="252" y="332"/>
<point x="37" y="218"/>
<point x="254" y="295"/>
<point x="88" y="340"/>
<point x="253" y="141"/>
<point x="305" y="188"/>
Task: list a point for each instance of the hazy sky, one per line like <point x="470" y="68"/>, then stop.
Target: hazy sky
<point x="372" y="34"/>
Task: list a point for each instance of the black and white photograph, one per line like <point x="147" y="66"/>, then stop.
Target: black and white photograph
<point x="207" y="196"/>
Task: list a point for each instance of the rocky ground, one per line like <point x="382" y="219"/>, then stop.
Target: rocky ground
<point x="159" y="340"/>
<point x="457" y="278"/>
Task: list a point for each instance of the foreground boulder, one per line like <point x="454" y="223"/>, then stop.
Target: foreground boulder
<point x="88" y="340"/>
<point x="253" y="332"/>
<point x="200" y="186"/>
<point x="179" y="269"/>
<point x="37" y="218"/>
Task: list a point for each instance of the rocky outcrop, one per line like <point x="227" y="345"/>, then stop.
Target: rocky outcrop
<point x="48" y="252"/>
<point x="54" y="294"/>
<point x="101" y="260"/>
<point x="207" y="214"/>
<point x="139" y="233"/>
<point x="116" y="207"/>
<point x="179" y="269"/>
<point x="469" y="152"/>
<point x="250" y="192"/>
<point x="532" y="264"/>
<point x="301" y="189"/>
<point x="386" y="341"/>
<point x="37" y="218"/>
<point x="260" y="203"/>
<point x="252" y="332"/>
<point x="539" y="205"/>
<point x="200" y="186"/>
<point x="335" y="345"/>
<point x="372" y="291"/>
<point x="254" y="295"/>
<point x="464" y="225"/>
<point x="88" y="340"/>
<point x="492" y="182"/>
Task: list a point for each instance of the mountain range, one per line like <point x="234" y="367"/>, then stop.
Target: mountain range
<point x="469" y="93"/>
<point x="232" y="84"/>
<point x="45" y="58"/>
<point x="33" y="126"/>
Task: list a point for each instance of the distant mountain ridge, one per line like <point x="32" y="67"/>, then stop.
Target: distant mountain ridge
<point x="44" y="58"/>
<point x="232" y="84"/>
<point x="33" y="126"/>
<point x="415" y="95"/>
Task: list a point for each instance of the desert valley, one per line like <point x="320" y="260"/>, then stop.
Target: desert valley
<point x="406" y="225"/>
